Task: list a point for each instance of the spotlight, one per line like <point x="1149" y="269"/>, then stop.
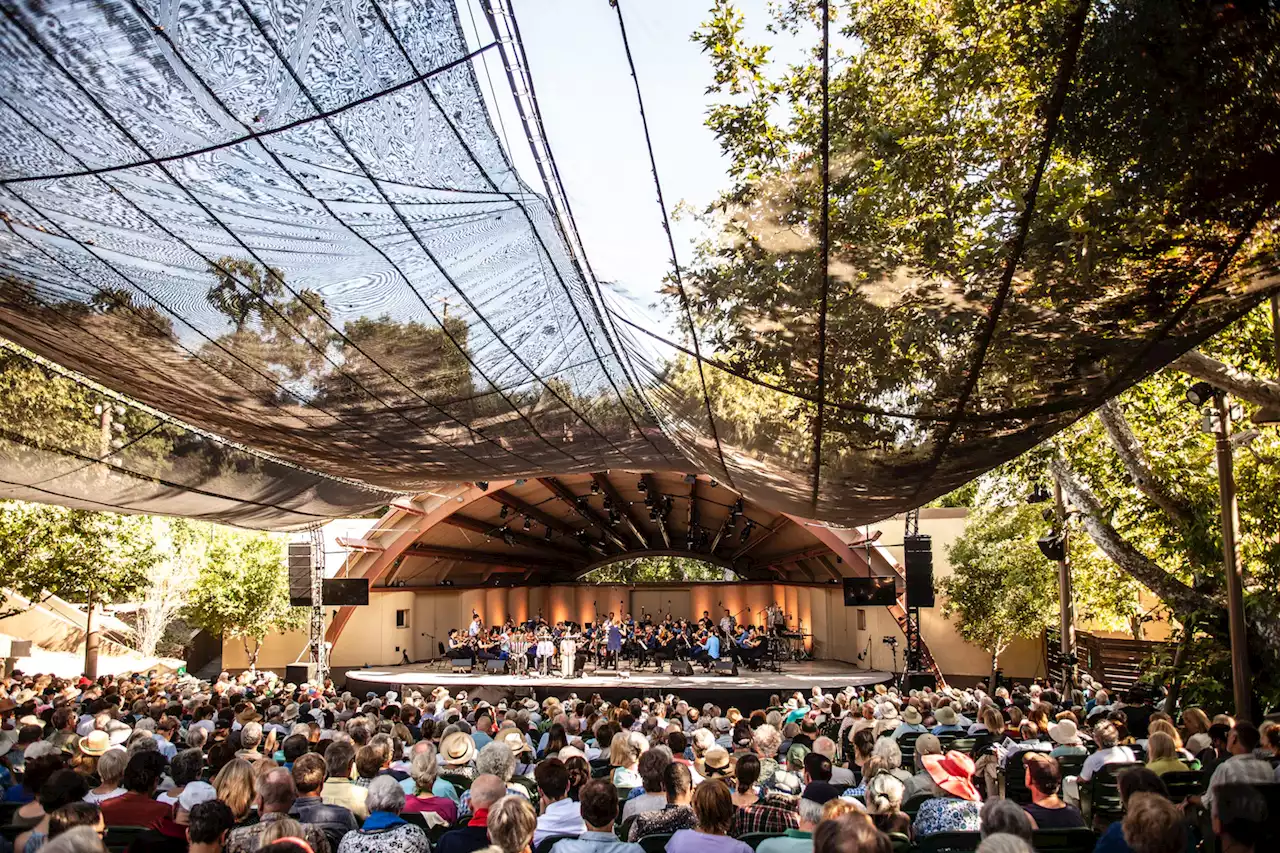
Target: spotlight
<point x="608" y="504"/>
<point x="1201" y="393"/>
<point x="502" y="513"/>
<point x="1053" y="547"/>
<point x="547" y="536"/>
<point x="521" y="482"/>
<point x="1039" y="494"/>
<point x="690" y="478"/>
<point x="484" y="486"/>
<point x="642" y="487"/>
<point x="745" y="534"/>
<point x="527" y="523"/>
<point x="653" y="514"/>
<point x="595" y="487"/>
<point x="582" y="503"/>
<point x="714" y="482"/>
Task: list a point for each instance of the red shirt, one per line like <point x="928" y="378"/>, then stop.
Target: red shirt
<point x="133" y="809"/>
<point x="480" y="818"/>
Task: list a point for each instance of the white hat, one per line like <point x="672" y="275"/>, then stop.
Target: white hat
<point x="195" y="793"/>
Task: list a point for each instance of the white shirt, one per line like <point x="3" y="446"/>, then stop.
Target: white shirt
<point x="561" y="818"/>
<point x="644" y="803"/>
<point x="91" y="797"/>
<point x="1103" y="757"/>
<point x="1238" y="768"/>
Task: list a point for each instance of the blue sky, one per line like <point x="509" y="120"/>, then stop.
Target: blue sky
<point x="589" y="108"/>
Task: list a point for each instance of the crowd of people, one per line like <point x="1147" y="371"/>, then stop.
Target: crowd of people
<point x="252" y="763"/>
<point x="537" y="647"/>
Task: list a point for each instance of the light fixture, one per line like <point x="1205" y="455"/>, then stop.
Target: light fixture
<point x="642" y="487"/>
<point x="528" y="522"/>
<point x="521" y="482"/>
<point x="714" y="483"/>
<point x="1053" y="546"/>
<point x="595" y="487"/>
<point x="690" y="478"/>
<point x="484" y="485"/>
<point x="547" y="535"/>
<point x="1201" y="394"/>
<point x="502" y="513"/>
<point x="653" y="514"/>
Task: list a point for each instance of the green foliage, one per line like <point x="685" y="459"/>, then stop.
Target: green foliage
<point x="73" y="554"/>
<point x="656" y="570"/>
<point x="1002" y="587"/>
<point x="242" y="590"/>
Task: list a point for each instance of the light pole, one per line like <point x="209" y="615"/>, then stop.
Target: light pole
<point x="1066" y="608"/>
<point x="1220" y="424"/>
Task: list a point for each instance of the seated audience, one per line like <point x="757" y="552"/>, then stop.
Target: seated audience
<point x="958" y="807"/>
<point x="713" y="805"/>
<point x="559" y="814"/>
<point x="599" y="801"/>
<point x="384" y="829"/>
<point x="676" y="813"/>
<point x="1047" y="809"/>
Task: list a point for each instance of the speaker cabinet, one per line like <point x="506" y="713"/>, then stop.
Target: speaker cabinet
<point x="460" y="664"/>
<point x="921" y="680"/>
<point x="681" y="667"/>
<point x="496" y="665"/>
<point x="300" y="673"/>
<point x="725" y="667"/>
<point x="300" y="563"/>
<point x="919" y="570"/>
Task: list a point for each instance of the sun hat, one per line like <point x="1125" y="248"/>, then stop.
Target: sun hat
<point x="95" y="743"/>
<point x="513" y="740"/>
<point x="195" y="793"/>
<point x="716" y="762"/>
<point x="31" y="720"/>
<point x="952" y="773"/>
<point x="1064" y="732"/>
<point x="928" y="744"/>
<point x="911" y="716"/>
<point x="946" y="715"/>
<point x="457" y="748"/>
<point x="796" y="754"/>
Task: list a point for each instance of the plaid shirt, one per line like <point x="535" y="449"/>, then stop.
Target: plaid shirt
<point x="775" y="813"/>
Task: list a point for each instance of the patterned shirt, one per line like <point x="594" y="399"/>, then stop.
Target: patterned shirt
<point x="947" y="814"/>
<point x="247" y="839"/>
<point x="774" y="813"/>
<point x="663" y="821"/>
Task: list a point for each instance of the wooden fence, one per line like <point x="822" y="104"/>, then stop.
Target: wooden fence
<point x="1117" y="663"/>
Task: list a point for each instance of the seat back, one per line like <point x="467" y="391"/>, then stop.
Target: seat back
<point x="946" y="739"/>
<point x="1079" y="840"/>
<point x="1071" y="765"/>
<point x="1015" y="779"/>
<point x="754" y="838"/>
<point x="624" y="829"/>
<point x="964" y="744"/>
<point x="1183" y="784"/>
<point x="901" y="842"/>
<point x="1103" y="794"/>
<point x="120" y="837"/>
<point x="655" y="843"/>
<point x="913" y="803"/>
<point x="462" y="783"/>
<point x="949" y="842"/>
<point x="907" y="744"/>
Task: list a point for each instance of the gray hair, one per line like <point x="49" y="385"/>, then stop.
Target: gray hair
<point x="77" y="839"/>
<point x="766" y="740"/>
<point x="111" y="765"/>
<point x="251" y="735"/>
<point x="884" y="793"/>
<point x="887" y="749"/>
<point x="826" y="746"/>
<point x="495" y="759"/>
<point x="1003" y="842"/>
<point x="703" y="740"/>
<point x="810" y="811"/>
<point x="385" y="795"/>
<point x="423" y="767"/>
<point x="1005" y="817"/>
<point x="196" y="737"/>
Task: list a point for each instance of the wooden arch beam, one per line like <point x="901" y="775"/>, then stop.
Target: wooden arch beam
<point x="398" y="529"/>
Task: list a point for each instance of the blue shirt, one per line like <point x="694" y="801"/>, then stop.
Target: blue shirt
<point x="596" y="842"/>
<point x="713" y="646"/>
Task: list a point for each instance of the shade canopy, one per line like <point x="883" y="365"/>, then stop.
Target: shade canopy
<point x="294" y="274"/>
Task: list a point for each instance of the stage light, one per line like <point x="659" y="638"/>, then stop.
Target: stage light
<point x="1039" y="494"/>
<point x="595" y="487"/>
<point x="1053" y="547"/>
<point x="714" y="483"/>
<point x="1201" y="394"/>
<point x="608" y="504"/>
<point x="521" y="482"/>
<point x="582" y="504"/>
<point x="690" y="478"/>
<point x="484" y="486"/>
<point x="653" y="514"/>
<point x="502" y="513"/>
<point x="547" y="535"/>
<point x="642" y="487"/>
<point x="527" y="523"/>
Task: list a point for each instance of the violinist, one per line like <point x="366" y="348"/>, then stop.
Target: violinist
<point x="749" y="648"/>
<point x="459" y="646"/>
<point x="477" y="624"/>
<point x="709" y="649"/>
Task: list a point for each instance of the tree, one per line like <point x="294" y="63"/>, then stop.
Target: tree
<point x="656" y="570"/>
<point x="83" y="557"/>
<point x="181" y="552"/>
<point x="1002" y="587"/>
<point x="243" y="590"/>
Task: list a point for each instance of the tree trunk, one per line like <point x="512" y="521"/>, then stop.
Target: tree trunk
<point x="1129" y="449"/>
<point x="1254" y="389"/>
<point x="1179" y="661"/>
<point x="995" y="668"/>
<point x="251" y="655"/>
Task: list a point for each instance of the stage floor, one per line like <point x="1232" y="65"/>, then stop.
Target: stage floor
<point x="831" y="676"/>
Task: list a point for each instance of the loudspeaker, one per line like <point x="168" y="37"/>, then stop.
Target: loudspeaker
<point x="919" y="554"/>
<point x="921" y="680"/>
<point x="725" y="667"/>
<point x="496" y="665"/>
<point x="299" y="673"/>
<point x="681" y="667"/>
<point x="300" y="574"/>
<point x="460" y="664"/>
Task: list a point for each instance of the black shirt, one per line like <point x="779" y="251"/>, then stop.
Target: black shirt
<point x="1067" y="817"/>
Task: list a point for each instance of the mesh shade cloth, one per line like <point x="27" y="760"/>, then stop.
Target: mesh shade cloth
<point x="293" y="226"/>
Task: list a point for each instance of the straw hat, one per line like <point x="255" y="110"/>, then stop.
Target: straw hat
<point x="513" y="740"/>
<point x="952" y="773"/>
<point x="946" y="715"/>
<point x="911" y="716"/>
<point x="457" y="748"/>
<point x="1064" y="732"/>
<point x="715" y="762"/>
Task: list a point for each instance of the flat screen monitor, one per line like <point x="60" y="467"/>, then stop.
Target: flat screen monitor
<point x="345" y="591"/>
<point x="870" y="592"/>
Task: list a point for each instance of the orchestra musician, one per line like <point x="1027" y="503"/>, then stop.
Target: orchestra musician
<point x="568" y="652"/>
<point x="477" y="624"/>
<point x="545" y="650"/>
<point x="709" y="649"/>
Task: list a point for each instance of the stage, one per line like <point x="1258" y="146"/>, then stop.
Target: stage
<point x="752" y="688"/>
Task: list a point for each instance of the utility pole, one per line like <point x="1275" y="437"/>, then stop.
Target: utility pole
<point x="1231" y="560"/>
<point x="92" y="638"/>
<point x="1066" y="606"/>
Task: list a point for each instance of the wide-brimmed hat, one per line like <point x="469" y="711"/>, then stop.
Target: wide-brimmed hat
<point x="31" y="720"/>
<point x="457" y="748"/>
<point x="911" y="716"/>
<point x="513" y="740"/>
<point x="733" y="715"/>
<point x="952" y="773"/>
<point x="796" y="754"/>
<point x="95" y="743"/>
<point x="1064" y="732"/>
<point x="946" y="715"/>
<point x="716" y="762"/>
